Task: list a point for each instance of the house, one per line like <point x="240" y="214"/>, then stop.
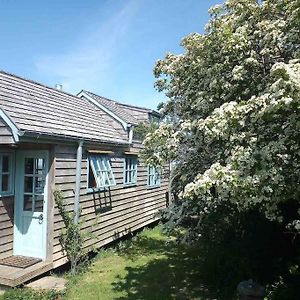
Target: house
<point x="82" y="145"/>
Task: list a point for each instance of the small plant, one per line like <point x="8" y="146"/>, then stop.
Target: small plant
<point x="72" y="237"/>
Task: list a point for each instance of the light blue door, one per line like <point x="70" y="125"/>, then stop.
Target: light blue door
<point x="30" y="228"/>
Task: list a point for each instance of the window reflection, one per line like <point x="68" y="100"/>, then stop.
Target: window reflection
<point x="29" y="165"/>
<point x="28" y="202"/>
<point x="34" y="184"/>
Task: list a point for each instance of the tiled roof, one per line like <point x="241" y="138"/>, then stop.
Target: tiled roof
<point x="128" y="113"/>
<point x="35" y="108"/>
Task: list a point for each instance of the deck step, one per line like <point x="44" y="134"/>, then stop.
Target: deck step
<point x="13" y="276"/>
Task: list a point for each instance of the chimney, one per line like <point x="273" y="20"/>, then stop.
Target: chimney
<point x="59" y="87"/>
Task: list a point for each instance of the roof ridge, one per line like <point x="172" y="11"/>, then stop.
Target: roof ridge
<point x="36" y="82"/>
<point x="115" y="103"/>
<point x="120" y="103"/>
<point x="136" y="106"/>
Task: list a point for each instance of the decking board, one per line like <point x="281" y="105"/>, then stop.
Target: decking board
<point x="12" y="276"/>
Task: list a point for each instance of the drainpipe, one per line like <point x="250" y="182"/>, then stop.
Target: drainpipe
<point x="130" y="133"/>
<point x="78" y="180"/>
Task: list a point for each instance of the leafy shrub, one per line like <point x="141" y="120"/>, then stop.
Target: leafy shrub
<point x="143" y="128"/>
<point x="236" y="246"/>
<point x="72" y="237"/>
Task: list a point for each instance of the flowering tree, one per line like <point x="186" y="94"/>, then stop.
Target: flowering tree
<point x="232" y="119"/>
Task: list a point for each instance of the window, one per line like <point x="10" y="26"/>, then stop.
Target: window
<point x="6" y="174"/>
<point x="130" y="170"/>
<point x="100" y="173"/>
<point x="153" y="176"/>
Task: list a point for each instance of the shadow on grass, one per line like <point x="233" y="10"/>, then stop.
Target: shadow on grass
<point x="173" y="273"/>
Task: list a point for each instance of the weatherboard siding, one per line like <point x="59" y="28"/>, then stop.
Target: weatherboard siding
<point x="5" y="133"/>
<point x="6" y="226"/>
<point x="127" y="209"/>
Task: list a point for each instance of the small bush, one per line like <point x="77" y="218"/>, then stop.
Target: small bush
<point x="72" y="237"/>
<point x="237" y="246"/>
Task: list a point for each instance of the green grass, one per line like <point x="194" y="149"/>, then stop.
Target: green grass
<point x="30" y="294"/>
<point x="148" y="266"/>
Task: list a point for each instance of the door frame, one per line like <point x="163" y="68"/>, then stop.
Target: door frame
<point x="18" y="209"/>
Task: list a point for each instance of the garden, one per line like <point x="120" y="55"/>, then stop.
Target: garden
<point x="231" y="133"/>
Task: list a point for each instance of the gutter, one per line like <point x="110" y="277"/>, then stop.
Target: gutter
<point x="31" y="135"/>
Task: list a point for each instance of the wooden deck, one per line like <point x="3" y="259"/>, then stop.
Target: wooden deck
<point x="12" y="276"/>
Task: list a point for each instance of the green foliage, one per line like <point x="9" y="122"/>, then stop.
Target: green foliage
<point x="284" y="288"/>
<point x="233" y="135"/>
<point x="30" y="294"/>
<point x="234" y="104"/>
<point x="143" y="128"/>
<point x="72" y="237"/>
<point x="235" y="246"/>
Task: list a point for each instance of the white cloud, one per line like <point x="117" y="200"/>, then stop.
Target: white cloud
<point x="88" y="64"/>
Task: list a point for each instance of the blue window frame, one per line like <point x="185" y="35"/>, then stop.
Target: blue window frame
<point x="153" y="176"/>
<point x="130" y="170"/>
<point x="100" y="173"/>
<point x="6" y="174"/>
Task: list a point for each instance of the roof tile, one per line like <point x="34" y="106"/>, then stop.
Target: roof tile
<point x="37" y="108"/>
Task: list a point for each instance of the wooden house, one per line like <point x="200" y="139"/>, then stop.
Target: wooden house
<point x="82" y="145"/>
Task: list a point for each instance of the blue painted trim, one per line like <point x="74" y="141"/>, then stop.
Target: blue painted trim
<point x="96" y="190"/>
<point x="134" y="182"/>
<point x="13" y="127"/>
<point x="148" y="178"/>
<point x="90" y="190"/>
<point x="101" y="188"/>
<point x="17" y="242"/>
<point x="12" y="168"/>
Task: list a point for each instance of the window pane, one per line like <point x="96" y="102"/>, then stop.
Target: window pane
<point x="5" y="164"/>
<point x="102" y="171"/>
<point x="39" y="166"/>
<point x="38" y="203"/>
<point x="105" y="178"/>
<point x="92" y="181"/>
<point x="102" y="165"/>
<point x="130" y="170"/>
<point x="39" y="185"/>
<point x="5" y="183"/>
<point x="29" y="164"/>
<point x="129" y="164"/>
<point x="28" y="184"/>
<point x="27" y="203"/>
<point x="153" y="176"/>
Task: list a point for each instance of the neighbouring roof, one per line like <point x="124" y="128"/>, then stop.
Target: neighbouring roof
<point x="37" y="109"/>
<point x="128" y="113"/>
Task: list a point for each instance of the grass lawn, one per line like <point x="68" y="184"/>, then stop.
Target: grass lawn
<point x="149" y="266"/>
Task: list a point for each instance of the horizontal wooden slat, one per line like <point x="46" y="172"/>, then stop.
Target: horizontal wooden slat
<point x="127" y="207"/>
<point x="6" y="225"/>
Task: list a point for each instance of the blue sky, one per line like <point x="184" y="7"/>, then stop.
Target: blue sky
<point x="106" y="46"/>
